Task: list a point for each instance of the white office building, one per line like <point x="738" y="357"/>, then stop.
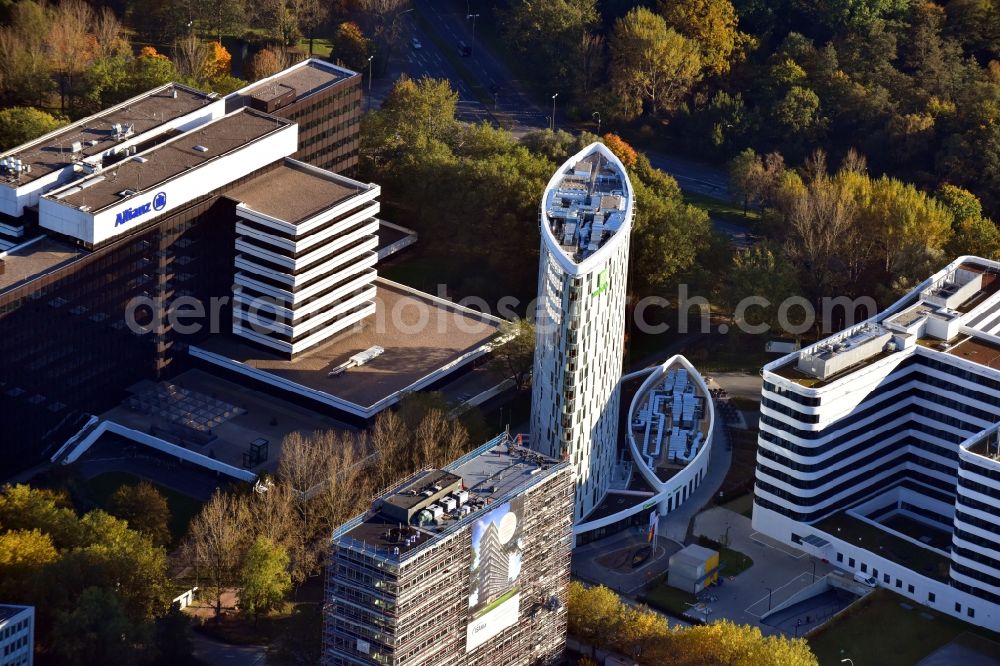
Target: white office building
<point x="17" y="635"/>
<point x="585" y="220"/>
<point x="879" y="446"/>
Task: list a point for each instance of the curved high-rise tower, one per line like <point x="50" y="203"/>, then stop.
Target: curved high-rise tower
<point x="585" y="219"/>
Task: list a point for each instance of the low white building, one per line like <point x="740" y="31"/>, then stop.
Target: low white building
<point x="17" y="635"/>
<point x="878" y="446"/>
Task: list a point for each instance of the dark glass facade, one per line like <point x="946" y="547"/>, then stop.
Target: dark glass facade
<point x="66" y="349"/>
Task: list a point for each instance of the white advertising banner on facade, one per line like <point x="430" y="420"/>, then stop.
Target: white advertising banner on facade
<point x="492" y="623"/>
<point x="494" y="598"/>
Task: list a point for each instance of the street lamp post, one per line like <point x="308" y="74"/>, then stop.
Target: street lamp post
<point x="769" y="590"/>
<point x="472" y="49"/>
<point x="554" y="112"/>
<point x="370" y="58"/>
<point x="597" y="116"/>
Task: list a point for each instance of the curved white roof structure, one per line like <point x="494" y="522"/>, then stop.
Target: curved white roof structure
<point x="586" y="209"/>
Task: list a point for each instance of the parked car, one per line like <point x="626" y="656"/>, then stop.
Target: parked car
<point x="464" y="50"/>
<point x="870" y="581"/>
<point x="416" y="43"/>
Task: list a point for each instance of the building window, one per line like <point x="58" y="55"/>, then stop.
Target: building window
<point x="886" y="578"/>
<point x="864" y="568"/>
<point x="958" y="607"/>
<point x="970" y="612"/>
<point x="899" y="583"/>
<point x="850" y="562"/>
<point x="931" y="597"/>
<point x="909" y="588"/>
<point x="840" y="557"/>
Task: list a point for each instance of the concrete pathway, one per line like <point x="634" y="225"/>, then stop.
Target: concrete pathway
<point x="778" y="572"/>
<point x="216" y="652"/>
<point x="676" y="524"/>
<point x="586" y="567"/>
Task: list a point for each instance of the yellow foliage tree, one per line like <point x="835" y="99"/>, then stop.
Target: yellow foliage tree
<point x="713" y="24"/>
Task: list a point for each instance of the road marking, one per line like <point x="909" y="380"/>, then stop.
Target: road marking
<point x="794" y="553"/>
<point x="805" y="574"/>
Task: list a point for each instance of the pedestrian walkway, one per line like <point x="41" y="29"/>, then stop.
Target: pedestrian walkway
<point x="676" y="524"/>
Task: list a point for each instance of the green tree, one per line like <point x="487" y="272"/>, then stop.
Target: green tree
<point x="149" y="70"/>
<point x="668" y="235"/>
<point x="557" y="145"/>
<point x="555" y="35"/>
<point x="223" y="17"/>
<point x="20" y="124"/>
<point x="145" y="509"/>
<point x="713" y="24"/>
<point x="971" y="233"/>
<point x="762" y="272"/>
<point x="515" y="357"/>
<point x="96" y="631"/>
<point x="264" y="577"/>
<point x="652" y="67"/>
<point x="117" y="558"/>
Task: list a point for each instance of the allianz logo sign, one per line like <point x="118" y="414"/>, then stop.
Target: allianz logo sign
<point x="159" y="202"/>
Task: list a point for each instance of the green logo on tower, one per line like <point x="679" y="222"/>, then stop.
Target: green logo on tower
<point x="602" y="283"/>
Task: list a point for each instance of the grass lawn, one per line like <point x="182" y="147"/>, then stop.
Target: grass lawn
<point x="731" y="562"/>
<point x="742" y="505"/>
<point x="721" y="209"/>
<point x="880" y="631"/>
<point x="321" y="46"/>
<point x="182" y="507"/>
<point x="852" y="530"/>
<point x="667" y="599"/>
<point x="740" y="476"/>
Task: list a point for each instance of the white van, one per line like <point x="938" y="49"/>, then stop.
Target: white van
<point x="870" y="581"/>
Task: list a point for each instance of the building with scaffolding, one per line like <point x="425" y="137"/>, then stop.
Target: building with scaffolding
<point x="463" y="565"/>
<point x="878" y="446"/>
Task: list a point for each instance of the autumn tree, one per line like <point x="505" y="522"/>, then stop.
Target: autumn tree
<point x="515" y="357"/>
<point x="145" y="509"/>
<point x="264" y="579"/>
<point x="653" y="67"/>
<point x="713" y="25"/>
<point x="70" y="44"/>
<point x="595" y="614"/>
<point x="25" y="68"/>
<point x="621" y="149"/>
<point x="265" y="63"/>
<point x="350" y="46"/>
<point x="215" y="543"/>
